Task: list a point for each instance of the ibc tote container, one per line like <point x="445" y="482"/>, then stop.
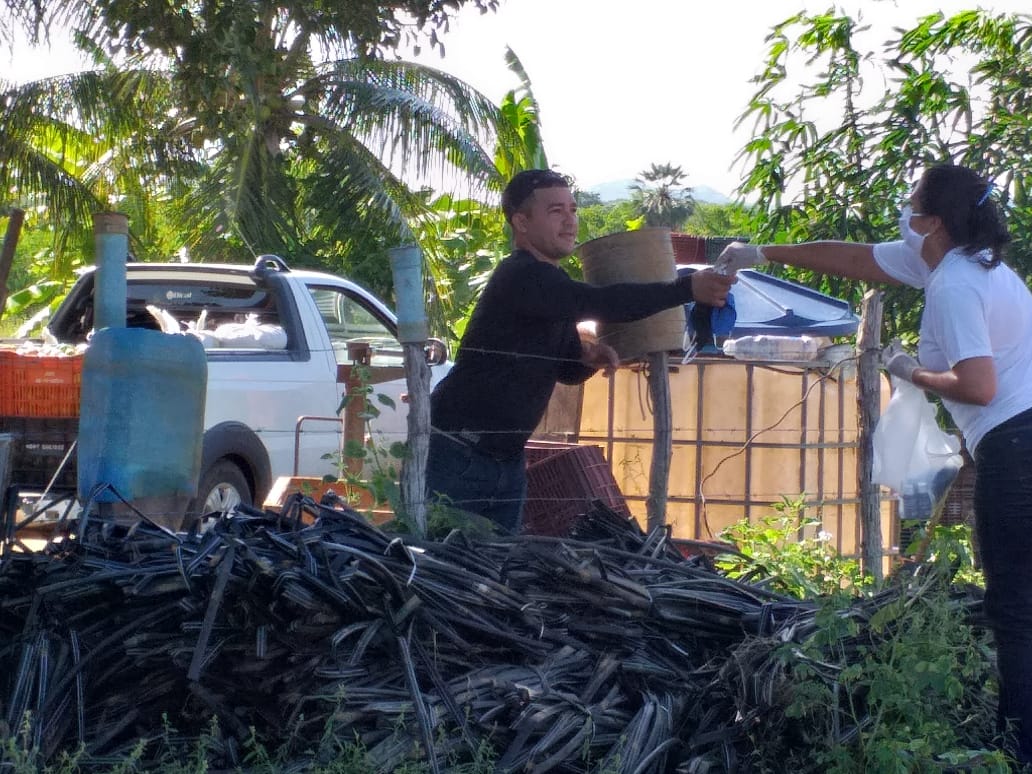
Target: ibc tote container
<point x="745" y="434"/>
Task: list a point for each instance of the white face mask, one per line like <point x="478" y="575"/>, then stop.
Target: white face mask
<point x="911" y="238"/>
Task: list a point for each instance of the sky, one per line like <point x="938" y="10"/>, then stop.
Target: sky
<point x="623" y="85"/>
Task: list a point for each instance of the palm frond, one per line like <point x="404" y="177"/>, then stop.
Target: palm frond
<point x="420" y="119"/>
<point x="78" y="144"/>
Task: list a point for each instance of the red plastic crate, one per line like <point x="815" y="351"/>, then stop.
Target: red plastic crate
<point x="688" y="248"/>
<point x="536" y="451"/>
<point x="39" y="386"/>
<point x="562" y="486"/>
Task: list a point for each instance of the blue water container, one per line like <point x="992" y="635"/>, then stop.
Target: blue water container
<point x="141" y="420"/>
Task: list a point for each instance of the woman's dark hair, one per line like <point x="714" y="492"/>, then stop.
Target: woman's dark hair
<point x="964" y="201"/>
<point x="524" y="183"/>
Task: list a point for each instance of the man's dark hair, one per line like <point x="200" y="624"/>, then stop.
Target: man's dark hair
<point x="523" y="184"/>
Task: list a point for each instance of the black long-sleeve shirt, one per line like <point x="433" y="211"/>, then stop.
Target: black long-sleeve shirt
<point x="522" y="338"/>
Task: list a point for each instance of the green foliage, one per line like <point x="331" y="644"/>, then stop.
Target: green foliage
<point x="464" y="240"/>
<point x="43" y="297"/>
<point x="247" y="145"/>
<point x="599" y="220"/>
<point x="908" y="687"/>
<point x="380" y="465"/>
<point x="790" y="553"/>
<point x="380" y="468"/>
<point x="916" y="693"/>
<point x="948" y="547"/>
<point x="586" y="198"/>
<point x="710" y="219"/>
<point x="520" y="145"/>
<point x="659" y="195"/>
<point x="835" y="149"/>
<point x="171" y="753"/>
<point x="85" y="143"/>
<point x="364" y="26"/>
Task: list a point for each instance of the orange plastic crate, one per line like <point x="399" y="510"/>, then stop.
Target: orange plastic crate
<point x="39" y="386"/>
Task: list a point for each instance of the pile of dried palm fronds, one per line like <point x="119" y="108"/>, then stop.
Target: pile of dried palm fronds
<point x="607" y="650"/>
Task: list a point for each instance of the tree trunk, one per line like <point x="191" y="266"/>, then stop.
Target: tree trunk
<point x="14" y="224"/>
<point x="868" y="345"/>
<point x="662" y="444"/>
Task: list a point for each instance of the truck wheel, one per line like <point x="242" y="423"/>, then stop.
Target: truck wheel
<point x="222" y="487"/>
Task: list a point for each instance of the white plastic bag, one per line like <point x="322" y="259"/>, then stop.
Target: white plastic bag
<point x="251" y="334"/>
<point x="912" y="454"/>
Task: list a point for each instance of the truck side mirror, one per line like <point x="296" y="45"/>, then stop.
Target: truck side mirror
<point x="436" y="351"/>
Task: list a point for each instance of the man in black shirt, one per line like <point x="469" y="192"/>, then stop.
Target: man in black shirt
<point x="522" y="338"/>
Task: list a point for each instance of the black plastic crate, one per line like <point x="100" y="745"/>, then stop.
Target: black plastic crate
<point x="715" y="245"/>
<point x="40" y="445"/>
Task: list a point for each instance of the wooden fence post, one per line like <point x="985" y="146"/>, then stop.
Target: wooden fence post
<point x="407" y="270"/>
<point x="868" y="346"/>
<point x="662" y="441"/>
<point x="413" y="480"/>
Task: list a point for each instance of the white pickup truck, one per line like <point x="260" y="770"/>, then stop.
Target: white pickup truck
<point x="266" y="408"/>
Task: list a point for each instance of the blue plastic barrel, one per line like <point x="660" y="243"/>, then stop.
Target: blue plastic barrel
<point x="141" y="419"/>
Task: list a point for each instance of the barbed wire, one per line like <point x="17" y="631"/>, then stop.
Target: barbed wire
<point x="752" y="438"/>
<point x="645" y="406"/>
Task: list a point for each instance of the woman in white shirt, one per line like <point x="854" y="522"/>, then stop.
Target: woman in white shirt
<point x="975" y="352"/>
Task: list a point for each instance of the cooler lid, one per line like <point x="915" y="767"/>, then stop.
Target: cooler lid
<point x="773" y="306"/>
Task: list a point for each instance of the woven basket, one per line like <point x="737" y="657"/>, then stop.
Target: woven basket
<point x="646" y="255"/>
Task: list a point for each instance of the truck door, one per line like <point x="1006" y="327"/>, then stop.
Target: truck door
<point x="369" y="358"/>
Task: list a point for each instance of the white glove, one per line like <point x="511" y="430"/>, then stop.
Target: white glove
<point x="899" y="363"/>
<point x="739" y="255"/>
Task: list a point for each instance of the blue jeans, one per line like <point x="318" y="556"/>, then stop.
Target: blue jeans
<point x="464" y="478"/>
<point x="1003" y="515"/>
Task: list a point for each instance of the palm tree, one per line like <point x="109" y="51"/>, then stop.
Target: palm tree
<point x="331" y="158"/>
<point x="74" y="145"/>
<point x="659" y="195"/>
<point x="288" y="153"/>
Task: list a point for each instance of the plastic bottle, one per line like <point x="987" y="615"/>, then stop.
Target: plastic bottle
<point x="924" y="501"/>
<point x="763" y="347"/>
<point x="917" y="502"/>
<point x="908" y="500"/>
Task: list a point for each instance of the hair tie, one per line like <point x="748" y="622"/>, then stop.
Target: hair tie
<point x="985" y="197"/>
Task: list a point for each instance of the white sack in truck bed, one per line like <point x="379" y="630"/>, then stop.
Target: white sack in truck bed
<point x="249" y="334"/>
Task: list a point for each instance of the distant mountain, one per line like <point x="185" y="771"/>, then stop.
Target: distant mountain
<point x="613" y="191"/>
<point x="703" y="193"/>
<point x="621" y="189"/>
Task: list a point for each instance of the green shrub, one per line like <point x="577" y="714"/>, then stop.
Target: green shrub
<point x="789" y="553"/>
<point x="907" y="688"/>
